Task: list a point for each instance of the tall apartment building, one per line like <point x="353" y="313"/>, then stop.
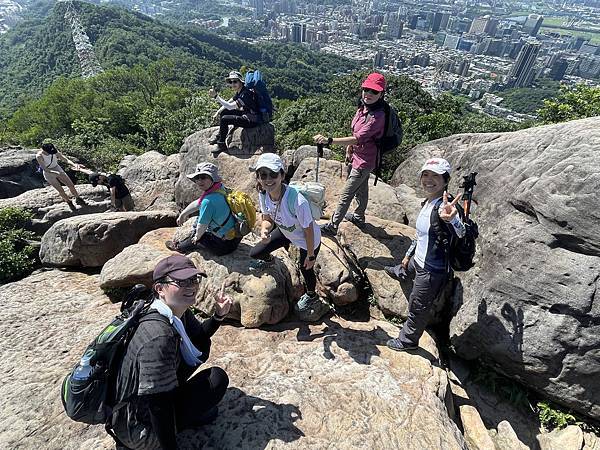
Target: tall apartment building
<point x="395" y="26"/>
<point x="532" y="24"/>
<point x="521" y="73"/>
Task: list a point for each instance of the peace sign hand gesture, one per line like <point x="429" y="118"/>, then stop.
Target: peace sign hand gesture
<point x="448" y="211"/>
<point x="224" y="302"/>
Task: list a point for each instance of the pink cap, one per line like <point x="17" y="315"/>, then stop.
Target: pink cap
<point x="374" y="81"/>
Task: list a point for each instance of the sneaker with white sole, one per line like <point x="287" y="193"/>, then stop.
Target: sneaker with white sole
<point x="258" y="265"/>
<point x="311" y="308"/>
<point x="356" y="220"/>
<point x="395" y="344"/>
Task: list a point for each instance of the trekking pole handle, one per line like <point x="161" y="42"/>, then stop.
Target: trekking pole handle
<point x="320" y="150"/>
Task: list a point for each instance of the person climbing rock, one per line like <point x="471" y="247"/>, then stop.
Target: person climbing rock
<point x="282" y="226"/>
<point x="214" y="230"/>
<point x="239" y="111"/>
<point x="361" y="153"/>
<point x="426" y="260"/>
<point x="48" y="158"/>
<point x="120" y="197"/>
<point x="156" y="395"/>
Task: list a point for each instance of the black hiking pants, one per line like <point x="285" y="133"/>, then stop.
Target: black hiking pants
<point x="214" y="244"/>
<point x="198" y="395"/>
<point x="426" y="288"/>
<point x="278" y="240"/>
<point x="233" y="117"/>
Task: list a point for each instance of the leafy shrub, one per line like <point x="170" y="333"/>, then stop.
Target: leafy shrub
<point x="552" y="417"/>
<point x="16" y="253"/>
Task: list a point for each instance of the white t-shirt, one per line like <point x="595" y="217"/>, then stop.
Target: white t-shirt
<point x="291" y="226"/>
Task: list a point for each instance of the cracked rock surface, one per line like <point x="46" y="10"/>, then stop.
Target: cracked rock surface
<point x="333" y="385"/>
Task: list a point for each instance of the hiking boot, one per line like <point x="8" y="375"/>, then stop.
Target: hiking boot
<point x="396" y="272"/>
<point x="311" y="308"/>
<point x="329" y="229"/>
<point x="71" y="206"/>
<point x="171" y="245"/>
<point x="353" y="218"/>
<point x="258" y="265"/>
<point x="221" y="147"/>
<point x="80" y="201"/>
<point x="215" y="140"/>
<point x="395" y="344"/>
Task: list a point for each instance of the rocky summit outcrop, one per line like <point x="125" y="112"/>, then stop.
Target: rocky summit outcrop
<point x="382" y="197"/>
<point x="18" y="171"/>
<point x="248" y="141"/>
<point x="48" y="208"/>
<point x="331" y="385"/>
<point x="151" y="180"/>
<point x="91" y="240"/>
<point x="381" y="243"/>
<point x="234" y="169"/>
<point x="530" y="306"/>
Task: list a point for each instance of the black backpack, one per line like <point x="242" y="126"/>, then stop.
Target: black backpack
<point x="92" y="400"/>
<point x="460" y="252"/>
<point x="391" y="138"/>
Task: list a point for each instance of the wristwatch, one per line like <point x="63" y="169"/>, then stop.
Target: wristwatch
<point x="312" y="258"/>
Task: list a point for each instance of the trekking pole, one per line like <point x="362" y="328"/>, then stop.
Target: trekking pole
<point x="319" y="155"/>
<point x="468" y="185"/>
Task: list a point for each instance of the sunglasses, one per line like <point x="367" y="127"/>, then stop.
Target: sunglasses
<point x="187" y="283"/>
<point x="202" y="177"/>
<point x="370" y="91"/>
<point x="233" y="81"/>
<point x="264" y="174"/>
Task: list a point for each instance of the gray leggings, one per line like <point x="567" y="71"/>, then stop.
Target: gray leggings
<point x="426" y="288"/>
<point x="357" y="185"/>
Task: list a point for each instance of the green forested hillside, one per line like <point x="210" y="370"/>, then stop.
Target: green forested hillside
<point x="153" y="91"/>
<point x="39" y="50"/>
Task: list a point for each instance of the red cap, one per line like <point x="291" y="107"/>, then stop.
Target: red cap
<point x="374" y="81"/>
<point x="177" y="267"/>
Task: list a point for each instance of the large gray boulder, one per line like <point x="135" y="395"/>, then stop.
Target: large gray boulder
<point x="91" y="240"/>
<point x="248" y="141"/>
<point x="291" y="387"/>
<point x="18" y="171"/>
<point x="529" y="306"/>
<point x="48" y="208"/>
<point x="151" y="178"/>
<point x="381" y="243"/>
<point x="233" y="169"/>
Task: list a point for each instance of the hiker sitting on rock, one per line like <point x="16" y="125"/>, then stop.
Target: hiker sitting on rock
<point x="281" y="227"/>
<point x="120" y="197"/>
<point x="214" y="230"/>
<point x="361" y="153"/>
<point x="426" y="260"/>
<point x="239" y="111"/>
<point x="47" y="159"/>
<point x="155" y="397"/>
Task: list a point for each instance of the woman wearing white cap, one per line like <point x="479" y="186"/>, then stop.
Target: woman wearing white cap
<point x="426" y="259"/>
<point x="239" y="111"/>
<point x="214" y="230"/>
<point x="282" y="226"/>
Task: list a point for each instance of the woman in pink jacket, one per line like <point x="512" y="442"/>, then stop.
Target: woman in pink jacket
<point x="361" y="153"/>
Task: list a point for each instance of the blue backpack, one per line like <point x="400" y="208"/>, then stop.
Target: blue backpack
<point x="257" y="85"/>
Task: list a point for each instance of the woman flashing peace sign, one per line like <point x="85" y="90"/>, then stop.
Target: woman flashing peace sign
<point x="426" y="259"/>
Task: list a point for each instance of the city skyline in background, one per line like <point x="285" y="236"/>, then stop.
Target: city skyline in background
<point x="470" y="48"/>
